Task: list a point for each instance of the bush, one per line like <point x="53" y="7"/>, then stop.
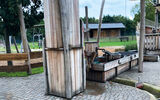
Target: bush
<point x="131" y="47"/>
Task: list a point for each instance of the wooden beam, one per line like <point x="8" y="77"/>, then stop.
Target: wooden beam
<point x="86" y="12"/>
<point x="12" y="57"/>
<point x="100" y="21"/>
<point x="65" y="7"/>
<point x="45" y="66"/>
<point x="142" y="33"/>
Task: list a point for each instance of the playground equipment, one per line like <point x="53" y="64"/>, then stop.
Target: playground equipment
<point x="37" y="33"/>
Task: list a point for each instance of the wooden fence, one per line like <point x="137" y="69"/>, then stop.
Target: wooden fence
<point x="152" y="43"/>
<point x="20" y="57"/>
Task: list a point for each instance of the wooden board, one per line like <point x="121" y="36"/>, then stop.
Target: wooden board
<point x="37" y="54"/>
<point x="10" y="57"/>
<point x="151" y="58"/>
<point x="100" y="76"/>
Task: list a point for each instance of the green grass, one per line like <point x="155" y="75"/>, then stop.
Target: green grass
<point x="13" y="49"/>
<point x="21" y="74"/>
<point x="104" y="44"/>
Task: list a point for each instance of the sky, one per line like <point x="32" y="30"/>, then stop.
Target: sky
<point x="112" y="7"/>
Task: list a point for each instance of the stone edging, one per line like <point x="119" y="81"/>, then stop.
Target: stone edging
<point x="153" y="91"/>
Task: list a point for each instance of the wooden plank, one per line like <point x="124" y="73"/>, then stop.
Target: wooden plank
<point x="37" y="54"/>
<point x="10" y="57"/>
<point x="86" y="12"/>
<point x="13" y="68"/>
<point x="151" y="58"/>
<point x="123" y="68"/>
<point x="65" y="12"/>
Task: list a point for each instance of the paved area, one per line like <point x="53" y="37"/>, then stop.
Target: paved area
<point x="33" y="88"/>
<point x="150" y="75"/>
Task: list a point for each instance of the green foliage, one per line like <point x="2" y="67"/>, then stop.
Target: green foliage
<point x="91" y="20"/>
<point x="9" y="15"/>
<point x="150" y="11"/>
<point x="131" y="47"/>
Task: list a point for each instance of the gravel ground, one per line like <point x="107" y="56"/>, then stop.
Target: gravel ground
<point x="33" y="88"/>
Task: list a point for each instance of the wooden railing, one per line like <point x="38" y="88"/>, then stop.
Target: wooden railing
<point x="152" y="42"/>
<point x="20" y="57"/>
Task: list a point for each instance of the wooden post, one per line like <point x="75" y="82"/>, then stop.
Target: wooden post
<point x="100" y="21"/>
<point x="64" y="50"/>
<point x="45" y="66"/>
<point x="86" y="11"/>
<point x="15" y="44"/>
<point x="156" y="20"/>
<point x="24" y="37"/>
<point x="142" y="34"/>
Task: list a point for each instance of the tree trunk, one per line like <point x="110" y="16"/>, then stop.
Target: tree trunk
<point x="24" y="37"/>
<point x="8" y="48"/>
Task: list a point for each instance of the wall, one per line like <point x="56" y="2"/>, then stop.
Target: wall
<point x="105" y="33"/>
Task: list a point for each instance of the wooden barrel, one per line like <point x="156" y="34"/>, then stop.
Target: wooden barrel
<point x="64" y="48"/>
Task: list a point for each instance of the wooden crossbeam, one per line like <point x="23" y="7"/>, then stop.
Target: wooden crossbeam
<point x="13" y="57"/>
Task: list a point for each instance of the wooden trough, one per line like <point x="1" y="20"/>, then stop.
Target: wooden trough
<point x="101" y="72"/>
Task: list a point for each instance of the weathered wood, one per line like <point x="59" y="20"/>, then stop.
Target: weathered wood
<point x="20" y="56"/>
<point x="14" y="68"/>
<point x="86" y="12"/>
<point x="113" y="64"/>
<point x="151" y="58"/>
<point x="64" y="48"/>
<point x="36" y="54"/>
<point x="100" y="21"/>
<point x="11" y="57"/>
<point x="45" y="66"/>
<point x="142" y="32"/>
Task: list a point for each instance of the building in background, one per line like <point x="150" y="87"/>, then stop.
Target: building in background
<point x="107" y="30"/>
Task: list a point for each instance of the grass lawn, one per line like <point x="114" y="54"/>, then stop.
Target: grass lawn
<point x="13" y="49"/>
<point x="22" y="74"/>
<point x="104" y="44"/>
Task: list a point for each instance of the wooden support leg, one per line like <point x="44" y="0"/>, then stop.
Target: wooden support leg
<point x="45" y="66"/>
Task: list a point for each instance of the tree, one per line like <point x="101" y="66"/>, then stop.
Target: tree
<point x="150" y="11"/>
<point x="9" y="16"/>
<point x="91" y="20"/>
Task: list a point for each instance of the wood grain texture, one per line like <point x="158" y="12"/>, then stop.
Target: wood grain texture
<point x="64" y="47"/>
<point x="11" y="57"/>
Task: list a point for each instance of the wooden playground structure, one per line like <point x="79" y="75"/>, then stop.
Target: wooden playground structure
<point x="19" y="61"/>
<point x="67" y="65"/>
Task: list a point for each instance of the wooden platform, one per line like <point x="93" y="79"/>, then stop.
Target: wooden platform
<point x="102" y="72"/>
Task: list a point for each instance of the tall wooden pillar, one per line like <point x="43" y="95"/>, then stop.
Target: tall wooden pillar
<point x="64" y="48"/>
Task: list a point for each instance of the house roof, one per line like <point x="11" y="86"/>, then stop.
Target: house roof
<point x="106" y="26"/>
